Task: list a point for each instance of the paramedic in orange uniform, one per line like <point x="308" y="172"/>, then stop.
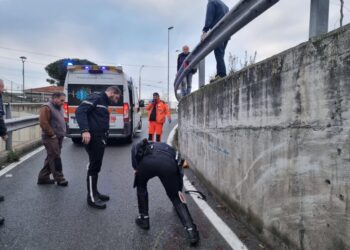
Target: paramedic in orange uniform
<point x="157" y="111"/>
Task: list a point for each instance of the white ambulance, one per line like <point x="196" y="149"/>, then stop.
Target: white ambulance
<point x="83" y="80"/>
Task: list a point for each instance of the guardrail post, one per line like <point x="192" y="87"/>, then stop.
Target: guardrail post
<point x="319" y="15"/>
<point x="201" y="73"/>
<point x="9" y="134"/>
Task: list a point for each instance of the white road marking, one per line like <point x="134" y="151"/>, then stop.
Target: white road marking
<point x="230" y="237"/>
<point x="23" y="158"/>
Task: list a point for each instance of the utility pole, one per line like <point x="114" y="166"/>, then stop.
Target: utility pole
<point x="169" y="28"/>
<point x="23" y="58"/>
<point x="142" y="66"/>
<point x="319" y="16"/>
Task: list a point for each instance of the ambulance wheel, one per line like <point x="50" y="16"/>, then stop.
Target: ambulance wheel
<point x="130" y="137"/>
<point x="76" y="140"/>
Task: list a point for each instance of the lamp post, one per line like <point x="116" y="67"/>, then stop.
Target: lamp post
<point x="169" y="28"/>
<point x="23" y="58"/>
<point x="142" y="66"/>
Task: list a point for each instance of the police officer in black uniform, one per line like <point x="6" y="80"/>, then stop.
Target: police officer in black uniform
<point x="150" y="159"/>
<point x="93" y="118"/>
<point x="3" y="130"/>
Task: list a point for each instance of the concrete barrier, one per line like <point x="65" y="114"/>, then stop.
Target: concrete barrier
<point x="273" y="140"/>
<point x="25" y="139"/>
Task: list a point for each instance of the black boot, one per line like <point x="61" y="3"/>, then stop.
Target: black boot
<point x="103" y="197"/>
<point x="142" y="221"/>
<point x="187" y="222"/>
<point x="2" y="219"/>
<point x="93" y="199"/>
<point x="2" y="198"/>
<point x="142" y="199"/>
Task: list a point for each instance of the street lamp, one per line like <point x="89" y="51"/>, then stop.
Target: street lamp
<point x="142" y="66"/>
<point x="23" y="58"/>
<point x="169" y="28"/>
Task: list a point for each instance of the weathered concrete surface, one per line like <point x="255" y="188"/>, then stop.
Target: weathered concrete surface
<point x="274" y="140"/>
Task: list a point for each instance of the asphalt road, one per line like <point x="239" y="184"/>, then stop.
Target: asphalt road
<point x="53" y="217"/>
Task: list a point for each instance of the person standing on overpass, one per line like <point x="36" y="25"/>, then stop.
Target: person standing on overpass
<point x="186" y="84"/>
<point x="93" y="119"/>
<point x="157" y="111"/>
<point x="216" y="10"/>
<point x="3" y="131"/>
<point x="53" y="127"/>
<point x="151" y="159"/>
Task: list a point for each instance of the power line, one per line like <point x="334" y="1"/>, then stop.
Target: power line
<point x="55" y="56"/>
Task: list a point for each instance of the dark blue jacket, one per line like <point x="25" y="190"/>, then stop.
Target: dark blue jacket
<point x="216" y="9"/>
<point x="3" y="130"/>
<point x="142" y="149"/>
<point x="92" y="114"/>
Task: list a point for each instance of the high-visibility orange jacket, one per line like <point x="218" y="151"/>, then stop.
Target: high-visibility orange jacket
<point x="162" y="111"/>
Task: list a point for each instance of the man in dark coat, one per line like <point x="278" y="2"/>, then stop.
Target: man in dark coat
<point x="3" y="131"/>
<point x="216" y="10"/>
<point x="151" y="159"/>
<point x="93" y="119"/>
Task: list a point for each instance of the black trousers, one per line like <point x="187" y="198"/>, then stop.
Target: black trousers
<point x="166" y="169"/>
<point x="95" y="150"/>
<point x="219" y="53"/>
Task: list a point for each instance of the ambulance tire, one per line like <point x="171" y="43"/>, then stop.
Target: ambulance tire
<point x="130" y="137"/>
<point x="76" y="140"/>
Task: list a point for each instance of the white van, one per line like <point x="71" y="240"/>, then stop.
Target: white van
<point x="83" y="80"/>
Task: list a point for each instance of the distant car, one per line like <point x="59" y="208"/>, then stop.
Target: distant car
<point x="83" y="80"/>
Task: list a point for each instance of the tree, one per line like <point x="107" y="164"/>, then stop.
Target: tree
<point x="58" y="69"/>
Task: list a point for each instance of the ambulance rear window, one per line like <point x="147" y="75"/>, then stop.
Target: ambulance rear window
<point x="79" y="92"/>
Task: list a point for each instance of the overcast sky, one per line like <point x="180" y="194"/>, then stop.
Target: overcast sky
<point x="134" y="33"/>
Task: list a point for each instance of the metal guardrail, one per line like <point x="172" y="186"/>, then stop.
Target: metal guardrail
<point x="14" y="124"/>
<point x="239" y="16"/>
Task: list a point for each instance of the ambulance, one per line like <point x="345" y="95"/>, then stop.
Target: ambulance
<point x="83" y="80"/>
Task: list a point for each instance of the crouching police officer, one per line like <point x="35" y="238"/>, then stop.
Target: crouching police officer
<point x="93" y="119"/>
<point x="150" y="159"/>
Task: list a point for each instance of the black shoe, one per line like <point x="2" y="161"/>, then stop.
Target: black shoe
<point x="96" y="204"/>
<point x="2" y="198"/>
<point x="142" y="221"/>
<point x="45" y="181"/>
<point x="192" y="235"/>
<point x="2" y="219"/>
<point x="62" y="183"/>
<point x="103" y="197"/>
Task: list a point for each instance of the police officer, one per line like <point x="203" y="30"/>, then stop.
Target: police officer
<point x="93" y="119"/>
<point x="150" y="159"/>
<point x="3" y="131"/>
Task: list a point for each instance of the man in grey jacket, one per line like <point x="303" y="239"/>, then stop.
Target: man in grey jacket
<point x="53" y="131"/>
<point x="216" y="10"/>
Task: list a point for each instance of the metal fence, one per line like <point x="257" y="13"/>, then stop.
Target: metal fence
<point x="239" y="16"/>
<point x="18" y="123"/>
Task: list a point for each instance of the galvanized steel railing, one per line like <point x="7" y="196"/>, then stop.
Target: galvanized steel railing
<point x="239" y="16"/>
<point x="14" y="124"/>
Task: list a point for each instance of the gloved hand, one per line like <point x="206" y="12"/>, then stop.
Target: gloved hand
<point x="169" y="120"/>
<point x="153" y="101"/>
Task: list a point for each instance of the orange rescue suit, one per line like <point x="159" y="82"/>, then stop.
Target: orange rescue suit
<point x="162" y="112"/>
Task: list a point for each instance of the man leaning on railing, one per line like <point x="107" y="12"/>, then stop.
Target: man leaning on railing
<point x="216" y="10"/>
<point x="3" y="131"/>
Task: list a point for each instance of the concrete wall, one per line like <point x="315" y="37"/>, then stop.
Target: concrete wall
<point x="274" y="140"/>
<point x="28" y="136"/>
